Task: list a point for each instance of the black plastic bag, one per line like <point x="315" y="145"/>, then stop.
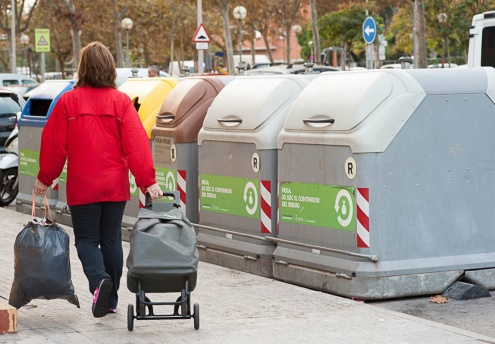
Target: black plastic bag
<point x="42" y="265"/>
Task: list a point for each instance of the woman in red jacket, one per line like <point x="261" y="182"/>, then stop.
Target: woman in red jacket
<point x="97" y="129"/>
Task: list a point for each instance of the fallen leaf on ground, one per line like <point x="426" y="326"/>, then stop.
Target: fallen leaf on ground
<point x="438" y="299"/>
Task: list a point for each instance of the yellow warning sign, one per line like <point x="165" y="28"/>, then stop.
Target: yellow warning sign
<point x="42" y="40"/>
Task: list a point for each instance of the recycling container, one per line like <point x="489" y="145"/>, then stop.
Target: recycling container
<point x="147" y="95"/>
<point x="237" y="163"/>
<point x="175" y="136"/>
<point x="33" y="118"/>
<point x="386" y="183"/>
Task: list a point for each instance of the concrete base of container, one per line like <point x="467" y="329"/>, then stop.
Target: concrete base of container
<point x="365" y="288"/>
<point x="26" y="208"/>
<point x="63" y="218"/>
<point x="483" y="277"/>
<point x="260" y="267"/>
<point x="126" y="232"/>
<point x="128" y="222"/>
<point x="233" y="251"/>
<point x="465" y="291"/>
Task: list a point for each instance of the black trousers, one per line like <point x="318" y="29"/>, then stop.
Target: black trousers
<point x="98" y="240"/>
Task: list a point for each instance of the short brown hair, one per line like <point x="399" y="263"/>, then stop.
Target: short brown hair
<point x="96" y="67"/>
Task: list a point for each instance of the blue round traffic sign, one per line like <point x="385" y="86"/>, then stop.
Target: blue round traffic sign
<point x="369" y="30"/>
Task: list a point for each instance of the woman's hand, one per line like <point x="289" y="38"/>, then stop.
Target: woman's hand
<point x="155" y="191"/>
<point x="39" y="188"/>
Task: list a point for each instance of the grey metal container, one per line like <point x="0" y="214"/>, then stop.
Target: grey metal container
<point x="237" y="157"/>
<point x="33" y="118"/>
<point x="175" y="135"/>
<point x="386" y="183"/>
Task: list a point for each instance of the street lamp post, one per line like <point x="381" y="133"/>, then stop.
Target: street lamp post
<point x="240" y="13"/>
<point x="311" y="57"/>
<point x="442" y="18"/>
<point x="127" y="25"/>
<point x="24" y="40"/>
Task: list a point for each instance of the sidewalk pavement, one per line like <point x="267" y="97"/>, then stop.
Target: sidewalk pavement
<point x="235" y="307"/>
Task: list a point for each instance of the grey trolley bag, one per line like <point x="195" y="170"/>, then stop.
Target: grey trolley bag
<point x="163" y="258"/>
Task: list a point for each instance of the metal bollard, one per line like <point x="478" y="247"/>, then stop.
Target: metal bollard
<point x="405" y="62"/>
<point x="240" y="68"/>
<point x="308" y="67"/>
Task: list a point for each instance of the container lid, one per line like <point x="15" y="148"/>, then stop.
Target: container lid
<point x="248" y="102"/>
<point x="364" y="110"/>
<point x="338" y="101"/>
<point x="141" y="87"/>
<point x="50" y="89"/>
<point x="147" y="95"/>
<point x="185" y="97"/>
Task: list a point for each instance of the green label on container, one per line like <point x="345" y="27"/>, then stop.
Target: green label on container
<point x="63" y="175"/>
<point x="165" y="177"/>
<point x="229" y="195"/>
<point x="318" y="205"/>
<point x="132" y="185"/>
<point x="28" y="162"/>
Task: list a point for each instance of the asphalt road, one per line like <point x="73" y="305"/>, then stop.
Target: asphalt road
<point x="477" y="315"/>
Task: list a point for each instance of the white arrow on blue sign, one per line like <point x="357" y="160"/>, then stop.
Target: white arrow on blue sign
<point x="369" y="30"/>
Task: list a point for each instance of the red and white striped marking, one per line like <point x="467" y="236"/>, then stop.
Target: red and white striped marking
<point x="266" y="206"/>
<point x="363" y="217"/>
<point x="142" y="196"/>
<point x="55" y="184"/>
<point x="181" y="186"/>
<point x="278" y="208"/>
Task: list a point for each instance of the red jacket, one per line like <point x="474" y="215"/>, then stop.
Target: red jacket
<point x="99" y="132"/>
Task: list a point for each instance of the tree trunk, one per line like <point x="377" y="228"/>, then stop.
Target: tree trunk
<point x="224" y="10"/>
<point x="76" y="44"/>
<point x="267" y="45"/>
<point x="420" y="29"/>
<point x="75" y="31"/>
<point x="287" y="35"/>
<point x="316" y="34"/>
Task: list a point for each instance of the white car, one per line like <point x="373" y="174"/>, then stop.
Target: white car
<point x="124" y="73"/>
<point x="395" y="66"/>
<point x="445" y="65"/>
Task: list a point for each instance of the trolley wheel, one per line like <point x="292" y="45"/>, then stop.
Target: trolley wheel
<point x="196" y="316"/>
<point x="183" y="305"/>
<point x="130" y="317"/>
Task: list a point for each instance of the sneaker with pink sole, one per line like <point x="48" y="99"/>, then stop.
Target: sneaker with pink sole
<point x="100" y="298"/>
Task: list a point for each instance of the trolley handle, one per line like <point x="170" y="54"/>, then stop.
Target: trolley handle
<point x="174" y="194"/>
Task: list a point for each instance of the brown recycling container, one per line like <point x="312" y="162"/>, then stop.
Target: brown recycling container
<point x="174" y="137"/>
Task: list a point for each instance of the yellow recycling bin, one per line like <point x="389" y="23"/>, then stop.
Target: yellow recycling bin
<point x="147" y="95"/>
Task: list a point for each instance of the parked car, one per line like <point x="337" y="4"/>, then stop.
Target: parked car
<point x="289" y="69"/>
<point x="395" y="66"/>
<point x="22" y="90"/>
<point x="445" y="65"/>
<point x="10" y="79"/>
<point x="10" y="104"/>
<point x="124" y="73"/>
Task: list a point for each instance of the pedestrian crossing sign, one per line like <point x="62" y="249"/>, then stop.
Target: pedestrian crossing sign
<point x="42" y="40"/>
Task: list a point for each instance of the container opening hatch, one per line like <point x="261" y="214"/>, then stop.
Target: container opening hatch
<point x="39" y="107"/>
<point x="136" y="103"/>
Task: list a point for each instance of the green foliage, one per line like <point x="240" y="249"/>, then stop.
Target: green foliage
<point x="160" y="25"/>
<point x="343" y="28"/>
